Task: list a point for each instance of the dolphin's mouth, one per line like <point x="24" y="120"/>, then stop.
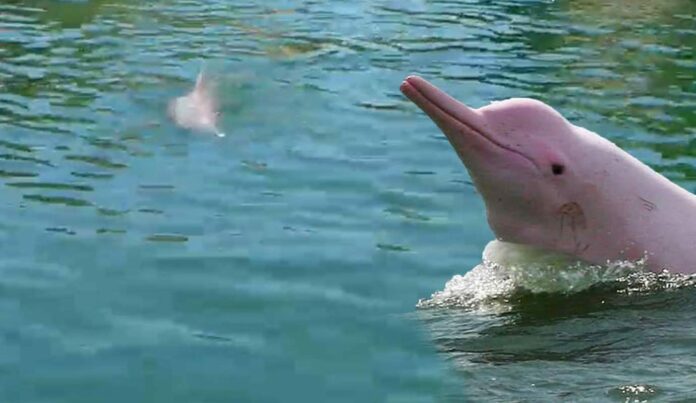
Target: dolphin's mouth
<point x="446" y="111"/>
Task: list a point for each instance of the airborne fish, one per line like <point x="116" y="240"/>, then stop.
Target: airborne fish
<point x="197" y="110"/>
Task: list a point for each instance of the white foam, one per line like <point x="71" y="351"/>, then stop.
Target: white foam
<point x="508" y="268"/>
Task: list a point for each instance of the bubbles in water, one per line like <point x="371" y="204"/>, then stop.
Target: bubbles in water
<point x="645" y="282"/>
<point x="508" y="269"/>
<point x="634" y="393"/>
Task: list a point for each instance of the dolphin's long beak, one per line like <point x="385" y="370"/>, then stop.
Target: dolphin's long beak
<point x="465" y="128"/>
<point x="448" y="113"/>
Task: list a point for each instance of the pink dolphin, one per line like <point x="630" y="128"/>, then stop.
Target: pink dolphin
<point x="197" y="110"/>
<point x="550" y="184"/>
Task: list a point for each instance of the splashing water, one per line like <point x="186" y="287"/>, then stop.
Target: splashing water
<point x="508" y="269"/>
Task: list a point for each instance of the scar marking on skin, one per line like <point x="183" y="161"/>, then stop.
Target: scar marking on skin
<point x="647" y="204"/>
<point x="573" y="219"/>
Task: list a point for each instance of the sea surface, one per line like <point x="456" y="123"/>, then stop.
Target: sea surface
<point x="285" y="262"/>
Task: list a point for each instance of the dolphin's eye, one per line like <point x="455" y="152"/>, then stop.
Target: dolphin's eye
<point x="557" y="169"/>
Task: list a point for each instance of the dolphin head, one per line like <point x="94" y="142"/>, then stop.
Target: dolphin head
<point x="523" y="157"/>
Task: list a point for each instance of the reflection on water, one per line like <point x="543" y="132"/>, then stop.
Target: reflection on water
<point x="138" y="256"/>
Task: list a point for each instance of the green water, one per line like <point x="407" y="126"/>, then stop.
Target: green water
<point x="141" y="262"/>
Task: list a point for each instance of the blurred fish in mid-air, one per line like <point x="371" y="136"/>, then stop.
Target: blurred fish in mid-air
<point x="197" y="110"/>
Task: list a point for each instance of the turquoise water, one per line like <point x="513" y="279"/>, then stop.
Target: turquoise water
<point x="284" y="262"/>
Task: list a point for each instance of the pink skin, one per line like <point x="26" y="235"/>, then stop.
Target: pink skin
<point x="196" y="110"/>
<point x="550" y="184"/>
